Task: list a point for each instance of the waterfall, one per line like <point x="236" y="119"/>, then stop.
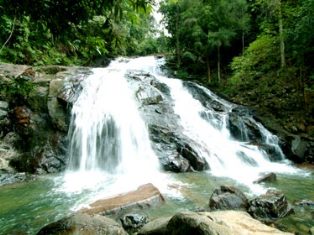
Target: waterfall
<point x="109" y="146"/>
<point x="107" y="132"/>
<point x="109" y="139"/>
<point x="227" y="157"/>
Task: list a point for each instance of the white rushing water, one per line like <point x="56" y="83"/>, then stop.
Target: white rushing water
<point x="227" y="157"/>
<point x="110" y="150"/>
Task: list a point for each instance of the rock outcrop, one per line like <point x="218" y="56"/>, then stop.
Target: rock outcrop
<point x="144" y="197"/>
<point x="175" y="150"/>
<point x="34" y="106"/>
<point x="209" y="223"/>
<point x="228" y="198"/>
<point x="83" y="224"/>
<point x="270" y="207"/>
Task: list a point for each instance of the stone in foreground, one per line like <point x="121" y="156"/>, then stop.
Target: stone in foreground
<point x="209" y="223"/>
<point x="144" y="197"/>
<point x="83" y="224"/>
<point x="228" y="198"/>
<point x="270" y="206"/>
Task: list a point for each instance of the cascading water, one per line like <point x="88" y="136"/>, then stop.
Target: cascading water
<point x="109" y="148"/>
<point x="110" y="141"/>
<point x="107" y="132"/>
<point x="226" y="156"/>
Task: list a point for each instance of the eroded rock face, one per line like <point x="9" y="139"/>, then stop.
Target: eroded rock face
<point x="83" y="224"/>
<point x="228" y="198"/>
<point x="35" y="106"/>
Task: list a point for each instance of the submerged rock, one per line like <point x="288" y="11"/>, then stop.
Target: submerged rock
<point x="270" y="206"/>
<point x="305" y="203"/>
<point x="83" y="224"/>
<point x="269" y="177"/>
<point x="228" y="198"/>
<point x="12" y="178"/>
<point x="145" y="196"/>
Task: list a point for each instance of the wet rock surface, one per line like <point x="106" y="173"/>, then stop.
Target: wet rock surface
<point x="268" y="177"/>
<point x="35" y="105"/>
<point x="228" y="198"/>
<point x="270" y="206"/>
<point x="133" y="221"/>
<point x="145" y="196"/>
<point x="175" y="150"/>
<point x="11" y="177"/>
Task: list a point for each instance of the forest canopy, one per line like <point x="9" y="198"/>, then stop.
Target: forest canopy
<point x="74" y="32"/>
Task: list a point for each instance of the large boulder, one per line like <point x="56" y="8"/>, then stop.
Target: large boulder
<point x="218" y="223"/>
<point x="228" y="198"/>
<point x="83" y="224"/>
<point x="156" y="227"/>
<point x="270" y="206"/>
<point x="145" y="196"/>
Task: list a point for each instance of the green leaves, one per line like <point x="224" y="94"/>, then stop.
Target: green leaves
<point x="72" y="32"/>
<point x="201" y="28"/>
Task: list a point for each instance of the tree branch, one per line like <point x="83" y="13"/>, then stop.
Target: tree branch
<point x="8" y="39"/>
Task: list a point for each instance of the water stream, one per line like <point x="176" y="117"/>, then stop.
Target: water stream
<point x="110" y="152"/>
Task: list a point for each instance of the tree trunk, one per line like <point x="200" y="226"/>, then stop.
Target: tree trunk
<point x="281" y="37"/>
<point x="218" y="64"/>
<point x="177" y="39"/>
<point x="208" y="69"/>
<point x="243" y="41"/>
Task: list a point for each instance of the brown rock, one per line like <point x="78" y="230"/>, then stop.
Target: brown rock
<point x="22" y="115"/>
<point x="145" y="196"/>
<point x="218" y="223"/>
<point x="83" y="224"/>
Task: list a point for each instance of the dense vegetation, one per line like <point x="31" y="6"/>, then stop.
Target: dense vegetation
<point x="74" y="32"/>
<point x="257" y="52"/>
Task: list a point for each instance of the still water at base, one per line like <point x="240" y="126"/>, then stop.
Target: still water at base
<point x="27" y="207"/>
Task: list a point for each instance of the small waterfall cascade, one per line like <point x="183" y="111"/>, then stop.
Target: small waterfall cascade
<point x="227" y="156"/>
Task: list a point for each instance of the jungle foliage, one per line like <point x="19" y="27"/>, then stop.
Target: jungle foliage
<point x="236" y="46"/>
<point x="74" y="32"/>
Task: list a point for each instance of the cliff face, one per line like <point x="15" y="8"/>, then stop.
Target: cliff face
<point x="34" y="116"/>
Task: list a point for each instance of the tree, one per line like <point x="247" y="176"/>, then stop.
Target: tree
<point x="70" y="32"/>
<point x="203" y="28"/>
<point x="274" y="10"/>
